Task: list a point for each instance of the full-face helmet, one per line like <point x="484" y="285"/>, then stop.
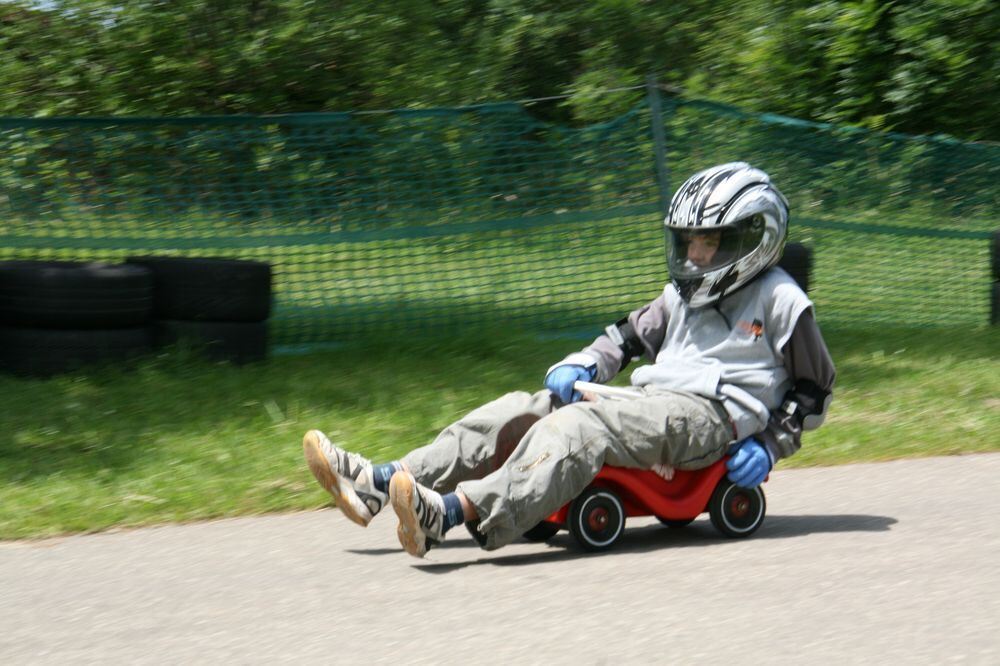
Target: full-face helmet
<point x="726" y="226"/>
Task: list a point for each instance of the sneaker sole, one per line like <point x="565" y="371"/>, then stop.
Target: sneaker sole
<point x="330" y="480"/>
<point x="401" y="492"/>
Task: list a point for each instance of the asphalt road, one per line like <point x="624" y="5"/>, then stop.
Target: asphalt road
<point x="879" y="563"/>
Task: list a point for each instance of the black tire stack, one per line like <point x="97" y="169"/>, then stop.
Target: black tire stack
<point x="797" y="262"/>
<point x="220" y="306"/>
<point x="995" y="265"/>
<point x="59" y="315"/>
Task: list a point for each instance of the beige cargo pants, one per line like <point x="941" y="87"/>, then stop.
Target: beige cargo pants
<point x="518" y="458"/>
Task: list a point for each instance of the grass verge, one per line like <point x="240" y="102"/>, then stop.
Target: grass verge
<point x="178" y="438"/>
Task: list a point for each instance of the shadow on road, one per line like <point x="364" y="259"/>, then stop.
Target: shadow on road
<point x="777" y="527"/>
<point x="563" y="546"/>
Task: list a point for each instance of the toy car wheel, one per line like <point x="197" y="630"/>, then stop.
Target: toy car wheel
<point x="676" y="523"/>
<point x="543" y="531"/>
<point x="596" y="518"/>
<point x="736" y="512"/>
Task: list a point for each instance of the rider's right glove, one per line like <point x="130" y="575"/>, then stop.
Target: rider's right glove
<point x="560" y="381"/>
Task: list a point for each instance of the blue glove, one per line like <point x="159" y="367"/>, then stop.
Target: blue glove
<point x="560" y="381"/>
<point x="749" y="463"/>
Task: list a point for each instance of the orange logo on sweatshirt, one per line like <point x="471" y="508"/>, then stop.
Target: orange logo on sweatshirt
<point x="756" y="329"/>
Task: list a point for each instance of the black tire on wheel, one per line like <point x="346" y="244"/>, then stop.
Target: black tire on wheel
<point x="596" y="518"/>
<point x="239" y="342"/>
<point x="669" y="522"/>
<point x="797" y="261"/>
<point x="74" y="295"/>
<point x="47" y="352"/>
<point x="736" y="512"/>
<point x="209" y="289"/>
<point x="543" y="531"/>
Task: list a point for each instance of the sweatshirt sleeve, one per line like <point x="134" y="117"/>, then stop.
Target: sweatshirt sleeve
<point x="648" y="325"/>
<point x="805" y="405"/>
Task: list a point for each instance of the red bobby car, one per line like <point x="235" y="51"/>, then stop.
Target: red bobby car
<point x="596" y="518"/>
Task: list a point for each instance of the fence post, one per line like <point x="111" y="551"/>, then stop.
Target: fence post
<point x="659" y="143"/>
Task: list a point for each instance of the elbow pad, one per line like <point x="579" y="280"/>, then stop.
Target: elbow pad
<point x="806" y="403"/>
<point x="622" y="334"/>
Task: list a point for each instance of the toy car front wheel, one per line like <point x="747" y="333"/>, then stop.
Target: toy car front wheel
<point x="596" y="518"/>
<point x="736" y="512"/>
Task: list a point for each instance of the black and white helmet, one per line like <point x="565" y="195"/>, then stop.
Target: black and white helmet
<point x="734" y="210"/>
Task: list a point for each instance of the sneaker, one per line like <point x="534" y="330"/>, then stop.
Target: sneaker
<point x="347" y="476"/>
<point x="420" y="511"/>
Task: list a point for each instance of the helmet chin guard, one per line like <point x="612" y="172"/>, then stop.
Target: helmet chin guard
<point x="726" y="226"/>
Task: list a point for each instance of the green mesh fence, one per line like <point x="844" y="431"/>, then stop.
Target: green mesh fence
<point x="436" y="221"/>
<point x="899" y="224"/>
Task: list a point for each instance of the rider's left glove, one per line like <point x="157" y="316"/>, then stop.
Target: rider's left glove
<point x="749" y="463"/>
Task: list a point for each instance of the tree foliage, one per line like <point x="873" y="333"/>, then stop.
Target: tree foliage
<point x="921" y="66"/>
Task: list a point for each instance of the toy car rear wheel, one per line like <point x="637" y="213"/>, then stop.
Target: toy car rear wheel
<point x="543" y="531"/>
<point x="736" y="512"/>
<point x="596" y="518"/>
<point x="673" y="522"/>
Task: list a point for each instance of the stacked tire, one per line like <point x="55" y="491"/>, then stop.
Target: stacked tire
<point x="56" y="316"/>
<point x="220" y="306"/>
<point x="797" y="262"/>
<point x="995" y="265"/>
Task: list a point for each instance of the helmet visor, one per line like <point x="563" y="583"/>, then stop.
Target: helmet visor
<point x="693" y="252"/>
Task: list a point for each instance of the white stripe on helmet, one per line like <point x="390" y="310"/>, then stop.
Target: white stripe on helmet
<point x="704" y="198"/>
